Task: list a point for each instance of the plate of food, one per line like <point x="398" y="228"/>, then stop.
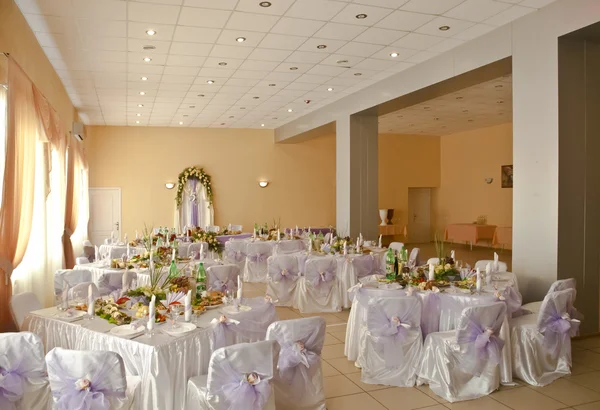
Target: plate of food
<point x="212" y="300"/>
<point x="127" y="331"/>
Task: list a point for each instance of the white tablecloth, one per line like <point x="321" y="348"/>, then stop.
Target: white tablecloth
<point x="164" y="363"/>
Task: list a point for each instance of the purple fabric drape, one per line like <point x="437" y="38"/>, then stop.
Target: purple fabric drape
<point x="244" y="391"/>
<point x="193" y="185"/>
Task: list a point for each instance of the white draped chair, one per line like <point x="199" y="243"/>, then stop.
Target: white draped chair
<point x="110" y="282"/>
<point x="81" y="260"/>
<point x="72" y="277"/>
<point x="235" y="252"/>
<point x="239" y="377"/>
<point x="541" y="344"/>
<point x="392" y="346"/>
<point x="21" y="304"/>
<point x="465" y="364"/>
<point x="397" y="246"/>
<point x="355" y="269"/>
<point x="223" y="278"/>
<point x="319" y="287"/>
<point x="213" y="228"/>
<point x="502" y="266"/>
<point x="282" y="279"/>
<point x="23" y="381"/>
<point x="289" y="246"/>
<point x="561" y="284"/>
<point x="198" y="249"/>
<point x="299" y="378"/>
<point x="82" y="379"/>
<point x="433" y="261"/>
<point x="257" y="254"/>
<point x="80" y="291"/>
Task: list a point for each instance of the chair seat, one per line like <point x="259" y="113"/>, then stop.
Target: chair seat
<point x="533" y="307"/>
<point x="196" y="393"/>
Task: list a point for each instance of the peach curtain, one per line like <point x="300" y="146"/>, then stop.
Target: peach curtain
<point x="71" y="203"/>
<point x="19" y="178"/>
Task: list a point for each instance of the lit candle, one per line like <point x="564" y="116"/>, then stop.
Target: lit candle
<point x="278" y="234"/>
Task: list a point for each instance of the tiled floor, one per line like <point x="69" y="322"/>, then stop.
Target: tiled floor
<point x="344" y="390"/>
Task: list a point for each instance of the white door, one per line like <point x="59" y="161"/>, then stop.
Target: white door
<point x="105" y="214"/>
<point x="419" y="215"/>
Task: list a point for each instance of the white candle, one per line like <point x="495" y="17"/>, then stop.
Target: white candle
<point x="453" y="256"/>
<point x="229" y="227"/>
<point x="357" y="244"/>
<point x="361" y="238"/>
<point x="125" y="238"/>
<point x="496" y="264"/>
<point x="380" y="241"/>
<point x="478" y="284"/>
<point x="124" y="281"/>
<point x="488" y="273"/>
<point x="188" y="307"/>
<point x="254" y="235"/>
<point x="331" y="238"/>
<point x="278" y="234"/>
<point x="151" y="314"/>
<point x="90" y="300"/>
<point x="310" y="245"/>
<point x="173" y="257"/>
<point x="431" y="272"/>
<point x="308" y="228"/>
<point x="96" y="253"/>
<point x="128" y="249"/>
<point x="297" y="229"/>
<point x="345" y="248"/>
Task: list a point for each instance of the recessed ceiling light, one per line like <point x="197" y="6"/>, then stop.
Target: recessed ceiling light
<point x="321" y="46"/>
<point x="444" y="28"/>
<point x="262" y="125"/>
<point x="357" y="74"/>
<point x="265" y="4"/>
<point x="361" y="16"/>
<point x="140" y="105"/>
<point x="436" y="119"/>
<point x="459" y="98"/>
<point x="147" y="59"/>
<point x="412" y="125"/>
<point x="498" y="86"/>
<point x="240" y="39"/>
<point x="192" y="106"/>
<point x="500" y="102"/>
<point x="305" y="102"/>
<point x="231" y="116"/>
<point x="394" y="55"/>
<point x="142" y="93"/>
<point x="151" y="32"/>
<point x="138" y="114"/>
<point x="137" y="122"/>
<point x="290" y="110"/>
<point x="222" y="123"/>
<point x="242" y="108"/>
<point x="222" y="63"/>
<point x="426" y="108"/>
<point x="293" y="68"/>
<point x="200" y="95"/>
<point x="470" y="120"/>
<point x="185" y="115"/>
<point x="272" y="85"/>
<point x="255" y="98"/>
<point x="342" y="61"/>
<point x="465" y="110"/>
<point x="180" y="122"/>
<point x="210" y="81"/>
<point x="274" y="118"/>
<point x="330" y="89"/>
<point x="144" y="78"/>
<point x="149" y="47"/>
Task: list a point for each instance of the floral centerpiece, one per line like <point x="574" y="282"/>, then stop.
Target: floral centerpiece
<point x="200" y="235"/>
<point x="193" y="173"/>
<point x="444" y="269"/>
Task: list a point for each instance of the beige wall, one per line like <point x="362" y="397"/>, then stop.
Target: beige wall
<point x="141" y="160"/>
<point x="467" y="158"/>
<point x="406" y="161"/>
<point x="17" y="39"/>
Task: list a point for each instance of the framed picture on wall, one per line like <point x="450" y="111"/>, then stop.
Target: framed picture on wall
<point x="507" y="176"/>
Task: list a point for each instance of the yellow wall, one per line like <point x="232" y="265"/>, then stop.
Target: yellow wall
<point x="406" y="161"/>
<point x="17" y="39"/>
<point x="467" y="158"/>
<point x="141" y="160"/>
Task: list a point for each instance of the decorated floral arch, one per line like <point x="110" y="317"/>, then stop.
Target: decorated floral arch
<point x="194" y="198"/>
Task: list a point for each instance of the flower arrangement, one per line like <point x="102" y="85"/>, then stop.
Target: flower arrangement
<point x="200" y="235"/>
<point x="193" y="173"/>
<point x="445" y="267"/>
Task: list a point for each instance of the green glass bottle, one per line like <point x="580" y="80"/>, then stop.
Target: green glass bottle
<point x="173" y="269"/>
<point x="390" y="260"/>
<point x="200" y="280"/>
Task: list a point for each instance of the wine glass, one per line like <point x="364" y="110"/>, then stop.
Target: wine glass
<point x="176" y="311"/>
<point x="193" y="255"/>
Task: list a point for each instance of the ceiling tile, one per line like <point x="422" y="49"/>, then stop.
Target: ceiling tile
<point x="196" y="34"/>
<point x="508" y="15"/>
<point x="137" y="45"/>
<point x="241" y="82"/>
<point x="197" y="17"/>
<point x="327" y="70"/>
<point x="250" y="74"/>
<point x="404" y="20"/>
<point x="338" y="31"/>
<point x="305" y="57"/>
<point x="433" y="27"/>
<point x="109" y="9"/>
<point x="215" y="72"/>
<point x="211" y="4"/>
<point x="269" y="54"/>
<point x="359" y="49"/>
<point x="477" y="10"/>
<point x="277" y="8"/>
<point x="418" y="41"/>
<point x="278" y="77"/>
<point x="172" y="2"/>
<point x="282" y="42"/>
<point x="381" y="36"/>
<point x="342" y="60"/>
<point x="181" y="70"/>
<point x="392" y="4"/>
<point x="297" y="27"/>
<point x="538" y="4"/>
<point x="323" y="10"/>
<point x="314" y="79"/>
<point x="446" y="45"/>
<point x="297" y="67"/>
<point x="216" y="62"/>
<point x="185" y="61"/>
<point x="145" y="68"/>
<point x="251" y="22"/>
<point x="374" y="64"/>
<point x="52" y="24"/>
<point x="230" y="51"/>
<point x="101" y="28"/>
<point x="430" y="6"/>
<point x="177" y="79"/>
<point x="349" y="13"/>
<point x="151" y="13"/>
<point x="258" y="65"/>
<point x="312" y="45"/>
<point x="229" y="38"/>
<point x="421" y="56"/>
<point x="47" y="7"/>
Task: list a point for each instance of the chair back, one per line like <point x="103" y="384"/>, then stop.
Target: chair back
<point x="213" y="228"/>
<point x="117" y="252"/>
<point x="558" y="320"/>
<point x="240" y="376"/>
<point x="85" y="379"/>
<point x="235" y="251"/>
<point x="223" y="277"/>
<point x="113" y="281"/>
<point x="397" y="246"/>
<point x="321" y="273"/>
<point x="364" y="265"/>
<point x="282" y="268"/>
<point x="477" y="335"/>
<point x="71" y="276"/>
<point x="80" y="291"/>
<point x="290" y="246"/>
<point x="433" y="261"/>
<point x="236" y="228"/>
<point x="258" y="252"/>
<point x="21" y="304"/>
<point x="198" y="247"/>
<point x="563" y="284"/>
<point x="502" y="266"/>
<point x="81" y="260"/>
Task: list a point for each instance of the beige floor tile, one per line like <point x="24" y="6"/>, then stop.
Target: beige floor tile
<point x="587" y="358"/>
<point x="330" y="318"/>
<point x="337" y="332"/>
<point x="328" y="370"/>
<point x="590" y="380"/>
<point x="354" y="402"/>
<point x="425" y="389"/>
<point x="526" y="399"/>
<point x="344" y="315"/>
<point x="287" y="314"/>
<point x="343" y="365"/>
<point x="331" y="340"/>
<point x="589" y="406"/>
<point x="355" y="377"/>
<point x="402" y="398"/>
<point x="578" y="369"/>
<point x="332" y="351"/>
<point x="337" y="328"/>
<point x="253" y="293"/>
<point x="568" y="392"/>
<point x="587" y="343"/>
<point x="336" y="386"/>
<point x="478" y="404"/>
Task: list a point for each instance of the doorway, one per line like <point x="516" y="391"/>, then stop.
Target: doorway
<point x="419" y="215"/>
<point x="105" y="214"/>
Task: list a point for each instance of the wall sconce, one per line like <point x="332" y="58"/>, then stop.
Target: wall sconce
<point x="263" y="184"/>
<point x="489" y="180"/>
<point x="169" y="185"/>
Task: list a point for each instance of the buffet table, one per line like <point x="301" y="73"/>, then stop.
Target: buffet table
<point x="503" y="237"/>
<point x="469" y="233"/>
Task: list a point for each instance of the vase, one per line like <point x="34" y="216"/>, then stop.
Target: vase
<point x="383" y="215"/>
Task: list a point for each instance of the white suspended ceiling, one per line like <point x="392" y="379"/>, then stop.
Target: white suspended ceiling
<point x="482" y="105"/>
<point x="194" y="72"/>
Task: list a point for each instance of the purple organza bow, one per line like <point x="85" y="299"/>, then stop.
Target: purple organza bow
<point x="325" y="277"/>
<point x="480" y="347"/>
<point x="221" y="327"/>
<point x="284" y="274"/>
<point x="258" y="257"/>
<point x="390" y="335"/>
<point x="294" y="358"/>
<point x="236" y="256"/>
<point x="512" y="298"/>
<point x="11" y="388"/>
<point x="82" y="394"/>
<point x="223" y="286"/>
<point x="559" y="329"/>
<point x="247" y="391"/>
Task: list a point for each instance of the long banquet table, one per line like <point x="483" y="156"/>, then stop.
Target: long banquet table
<point x="469" y="233"/>
<point x="165" y="363"/>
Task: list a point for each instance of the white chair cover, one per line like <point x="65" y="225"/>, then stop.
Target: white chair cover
<point x="235" y="252"/>
<point x="502" y="266"/>
<point x="237" y="228"/>
<point x="81" y="260"/>
<point x="201" y="249"/>
<point x="289" y="246"/>
<point x="391" y="348"/>
<point x="433" y="261"/>
<point x="23" y="381"/>
<point x="464" y="365"/>
<point x="112" y="282"/>
<point x="213" y="228"/>
<point x="89" y="380"/>
<point x="413" y="259"/>
<point x="223" y="278"/>
<point x="541" y="345"/>
<point x="299" y="378"/>
<point x="319" y="287"/>
<point x="227" y="385"/>
<point x="355" y="269"/>
<point x="397" y="246"/>
<point x="257" y="254"/>
<point x="80" y="291"/>
<point x="21" y="304"/>
<point x="72" y="277"/>
<point x="117" y="252"/>
<point x="561" y="284"/>
<point x="282" y="279"/>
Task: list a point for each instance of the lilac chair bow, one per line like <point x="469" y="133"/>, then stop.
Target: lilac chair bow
<point x="236" y="256"/>
<point x="512" y="298"/>
<point x="364" y="265"/>
<point x="323" y="278"/>
<point x="280" y="272"/>
<point x="222" y="286"/>
<point x="559" y="329"/>
<point x="293" y="357"/>
<point x="11" y="388"/>
<point x="390" y="332"/>
<point x="221" y="327"/>
<point x="87" y="393"/>
<point x="258" y="257"/>
<point x="249" y="391"/>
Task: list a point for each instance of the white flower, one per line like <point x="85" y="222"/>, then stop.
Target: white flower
<point x="83" y="384"/>
<point x="223" y="319"/>
<point x="439" y="269"/>
<point x="299" y="346"/>
<point x="253" y="378"/>
<point x="447" y="266"/>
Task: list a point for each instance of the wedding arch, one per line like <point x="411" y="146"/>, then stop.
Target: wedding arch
<point x="194" y="198"/>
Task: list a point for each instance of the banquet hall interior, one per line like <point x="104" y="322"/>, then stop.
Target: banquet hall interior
<point x="299" y="204"/>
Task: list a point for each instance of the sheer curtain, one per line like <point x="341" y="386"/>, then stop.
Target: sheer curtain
<point x="195" y="210"/>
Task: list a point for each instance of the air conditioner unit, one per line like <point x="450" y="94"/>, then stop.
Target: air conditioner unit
<point x="78" y="131"/>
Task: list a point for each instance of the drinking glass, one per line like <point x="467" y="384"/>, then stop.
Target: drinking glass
<point x="197" y="314"/>
<point x="58" y="299"/>
<point x="175" y="313"/>
<point x="193" y="255"/>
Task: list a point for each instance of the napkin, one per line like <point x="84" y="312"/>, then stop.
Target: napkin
<point x="478" y="283"/>
<point x="488" y="273"/>
<point x="188" y="306"/>
<point x="345" y="248"/>
<point x="453" y="256"/>
<point x="65" y="295"/>
<point x="495" y="262"/>
<point x="431" y="272"/>
<point x="172" y="298"/>
<point x="125" y="238"/>
<point x="151" y="313"/>
<point x="96" y="253"/>
<point x="90" y="300"/>
<point x="127" y="249"/>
